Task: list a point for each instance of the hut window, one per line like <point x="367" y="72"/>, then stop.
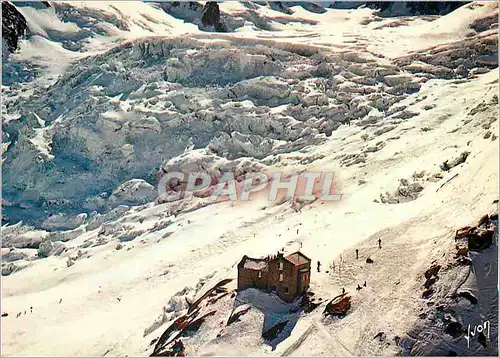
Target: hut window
<point x="281" y="277"/>
<point x="286" y="290"/>
<point x="260" y="274"/>
<point x="281" y="265"/>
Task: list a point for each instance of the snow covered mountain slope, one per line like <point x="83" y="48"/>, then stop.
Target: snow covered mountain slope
<point x="100" y="95"/>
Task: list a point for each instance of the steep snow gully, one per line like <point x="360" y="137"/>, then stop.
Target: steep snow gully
<point x="399" y="100"/>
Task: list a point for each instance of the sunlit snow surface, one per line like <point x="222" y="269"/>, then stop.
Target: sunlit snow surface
<point x="102" y="94"/>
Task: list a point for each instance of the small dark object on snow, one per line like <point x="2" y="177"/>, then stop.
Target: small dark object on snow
<point x="5" y="314"/>
<point x="343" y="290"/>
<point x="311" y="307"/>
<point x="379" y="243"/>
<point x="359" y="288"/>
<point x="427" y="293"/>
<point x="432" y="271"/>
<point x="60" y="300"/>
<point x="369" y="261"/>
<point x="319" y="266"/>
<point x="153" y="341"/>
<point x="456" y="161"/>
<point x="273" y="332"/>
<point x="119" y="299"/>
<point x="454" y="329"/>
<point x="446" y="182"/>
<point x="429" y="282"/>
<point x="357" y="252"/>
<point x="364" y="285"/>
<point x="236" y="315"/>
<point x="380" y="336"/>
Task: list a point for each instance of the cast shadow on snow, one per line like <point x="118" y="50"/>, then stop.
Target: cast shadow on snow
<point x="280" y="317"/>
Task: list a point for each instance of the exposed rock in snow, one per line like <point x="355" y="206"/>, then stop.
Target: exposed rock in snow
<point x="45" y="248"/>
<point x="21" y="236"/>
<point x="8" y="268"/>
<point x="13" y="27"/>
<point x="132" y="192"/>
<point x="13" y="256"/>
<point x="48" y="248"/>
<point x="403" y="8"/>
<point x="211" y="15"/>
<point x="64" y="222"/>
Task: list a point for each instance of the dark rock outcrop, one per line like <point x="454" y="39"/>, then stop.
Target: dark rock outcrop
<point x="408" y="8"/>
<point x="280" y="6"/>
<point x="338" y="306"/>
<point x="14" y="26"/>
<point x="211" y="14"/>
<point x="211" y="17"/>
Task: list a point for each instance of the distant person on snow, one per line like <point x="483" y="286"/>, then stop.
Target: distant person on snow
<point x="359" y="288"/>
<point x="379" y="243"/>
<point x="319" y="266"/>
<point x="357" y="254"/>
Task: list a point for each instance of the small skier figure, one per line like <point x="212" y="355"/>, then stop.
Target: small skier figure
<point x="364" y="285"/>
<point x="379" y="243"/>
<point x="319" y="266"/>
<point x="357" y="254"/>
<point x="343" y="290"/>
